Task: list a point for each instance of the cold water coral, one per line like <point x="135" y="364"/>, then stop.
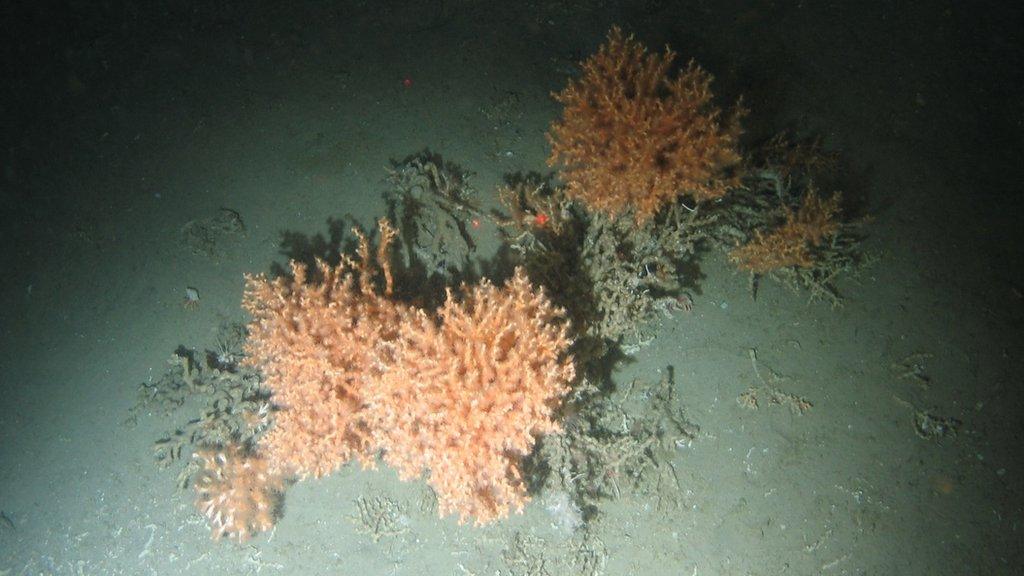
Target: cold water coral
<point x="790" y="244"/>
<point x="777" y="225"/>
<point x="612" y="275"/>
<point x="469" y="392"/>
<point x="462" y="392"/>
<point x="236" y="491"/>
<point x="433" y="204"/>
<point x="316" y="341"/>
<point x="632" y="136"/>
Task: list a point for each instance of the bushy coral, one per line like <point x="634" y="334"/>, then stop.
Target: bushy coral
<point x="633" y="137"/>
<point x="236" y="491"/>
<point x="316" y="341"/>
<point x="469" y="393"/>
<point x="611" y="274"/>
<point x="778" y="226"/>
<point x="791" y="244"/>
<point x="462" y="392"/>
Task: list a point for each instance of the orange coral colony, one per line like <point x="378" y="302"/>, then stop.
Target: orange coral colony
<point x="632" y="137"/>
<point x="315" y="343"/>
<point x="470" y="392"/>
<point x="461" y="394"/>
<point x="236" y="491"/>
<point x="790" y="244"/>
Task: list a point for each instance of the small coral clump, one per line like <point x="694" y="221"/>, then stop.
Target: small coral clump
<point x="236" y="491"/>
<point x="791" y="244"/>
<point x="316" y="342"/>
<point x="469" y="393"/>
<point x="632" y="137"/>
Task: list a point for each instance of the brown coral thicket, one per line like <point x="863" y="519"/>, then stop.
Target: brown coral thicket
<point x="785" y="157"/>
<point x="792" y="243"/>
<point x="316" y="342"/>
<point x="633" y="137"/>
<point x="469" y="393"/>
<point x="236" y="491"/>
